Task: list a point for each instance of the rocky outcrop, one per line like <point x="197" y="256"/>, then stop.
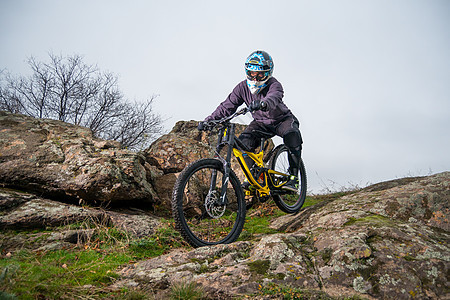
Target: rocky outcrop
<point x="354" y="245"/>
<point x="65" y="162"/>
<point x="185" y="144"/>
<point x="21" y="210"/>
<point x="389" y="240"/>
<point x="172" y="152"/>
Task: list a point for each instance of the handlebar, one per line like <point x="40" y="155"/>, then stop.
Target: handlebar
<point x="210" y="125"/>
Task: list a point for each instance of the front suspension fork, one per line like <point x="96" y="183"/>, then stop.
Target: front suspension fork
<point x="228" y="136"/>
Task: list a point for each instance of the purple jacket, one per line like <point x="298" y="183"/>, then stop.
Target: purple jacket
<point x="272" y="94"/>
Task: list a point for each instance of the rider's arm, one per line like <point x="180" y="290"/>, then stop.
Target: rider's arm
<point x="227" y="107"/>
<point x="274" y="95"/>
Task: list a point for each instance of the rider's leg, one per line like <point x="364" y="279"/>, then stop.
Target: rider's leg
<point x="292" y="138"/>
<point x="293" y="141"/>
<point x="250" y="140"/>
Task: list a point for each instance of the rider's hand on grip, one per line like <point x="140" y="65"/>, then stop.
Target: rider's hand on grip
<point x="201" y="125"/>
<point x="257" y="105"/>
<point x="205" y="125"/>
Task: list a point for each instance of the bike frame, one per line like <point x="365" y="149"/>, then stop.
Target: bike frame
<point x="263" y="181"/>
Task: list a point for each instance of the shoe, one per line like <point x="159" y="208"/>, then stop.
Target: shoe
<point x="246" y="186"/>
<point x="292" y="184"/>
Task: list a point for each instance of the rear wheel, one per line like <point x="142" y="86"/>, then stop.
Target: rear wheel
<point x="196" y="207"/>
<point x="289" y="202"/>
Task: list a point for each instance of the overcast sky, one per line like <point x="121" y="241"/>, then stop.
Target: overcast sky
<point x="369" y="80"/>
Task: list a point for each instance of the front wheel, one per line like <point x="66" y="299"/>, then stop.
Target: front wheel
<point x="197" y="210"/>
<point x="289" y="202"/>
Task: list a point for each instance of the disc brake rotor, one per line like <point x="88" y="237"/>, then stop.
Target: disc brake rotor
<point x="212" y="207"/>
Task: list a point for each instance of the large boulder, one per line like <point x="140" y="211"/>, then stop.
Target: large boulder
<point x="66" y="162"/>
<point x="23" y="214"/>
<point x="183" y="145"/>
<point x="415" y="200"/>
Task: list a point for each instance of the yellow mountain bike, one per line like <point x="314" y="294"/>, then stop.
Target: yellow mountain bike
<point x="208" y="201"/>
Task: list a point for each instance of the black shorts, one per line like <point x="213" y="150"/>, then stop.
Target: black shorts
<point x="251" y="138"/>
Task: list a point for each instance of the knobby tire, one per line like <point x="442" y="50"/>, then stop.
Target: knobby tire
<point x="290" y="203"/>
<point x="197" y="218"/>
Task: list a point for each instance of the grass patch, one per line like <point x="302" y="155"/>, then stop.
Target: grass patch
<point x="186" y="291"/>
<point x="258" y="219"/>
<point x="310" y="201"/>
<point x="161" y="242"/>
<point x="260" y="216"/>
<point x="56" y="274"/>
<point x="85" y="270"/>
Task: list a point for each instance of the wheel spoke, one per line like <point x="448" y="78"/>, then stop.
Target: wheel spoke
<point x="290" y="202"/>
<point x="200" y="217"/>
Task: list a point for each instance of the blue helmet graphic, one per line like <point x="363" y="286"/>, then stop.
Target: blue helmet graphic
<point x="259" y="61"/>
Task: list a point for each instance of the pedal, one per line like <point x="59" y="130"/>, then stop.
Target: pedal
<point x="291" y="185"/>
<point x="289" y="188"/>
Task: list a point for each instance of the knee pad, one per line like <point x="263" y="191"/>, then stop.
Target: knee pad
<point x="293" y="140"/>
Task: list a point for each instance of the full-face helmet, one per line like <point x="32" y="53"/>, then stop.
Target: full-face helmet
<point x="258" y="68"/>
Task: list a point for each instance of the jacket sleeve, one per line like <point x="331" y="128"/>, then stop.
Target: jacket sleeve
<point x="274" y="95"/>
<point x="229" y="106"/>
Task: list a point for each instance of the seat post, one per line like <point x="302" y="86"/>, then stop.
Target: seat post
<point x="263" y="141"/>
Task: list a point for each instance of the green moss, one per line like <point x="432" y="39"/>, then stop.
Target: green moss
<point x="309" y="201"/>
<point x="326" y="255"/>
<point x="279" y="291"/>
<point x="204" y="268"/>
<point x="259" y="266"/>
<point x="372" y="220"/>
<point x="409" y="258"/>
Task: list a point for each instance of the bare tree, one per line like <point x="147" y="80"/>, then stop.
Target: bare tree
<point x="67" y="89"/>
<point x="137" y="125"/>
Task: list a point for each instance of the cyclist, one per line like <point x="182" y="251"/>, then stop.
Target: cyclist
<point x="263" y="95"/>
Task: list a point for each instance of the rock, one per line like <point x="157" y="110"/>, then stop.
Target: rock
<point x="10" y="199"/>
<point x="35" y="212"/>
<point x="389" y="240"/>
<point x="384" y="241"/>
<point x="65" y="162"/>
<point x="28" y="212"/>
<point x="218" y="268"/>
<point x="164" y="188"/>
<point x="137" y="223"/>
<point x="183" y="145"/>
<point x="353" y="245"/>
<point x="421" y="200"/>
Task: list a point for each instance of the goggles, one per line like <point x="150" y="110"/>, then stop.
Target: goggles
<point x="257" y="75"/>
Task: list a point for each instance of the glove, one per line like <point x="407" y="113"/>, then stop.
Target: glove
<point x="257" y="105"/>
<point x="202" y="125"/>
<point x="205" y="125"/>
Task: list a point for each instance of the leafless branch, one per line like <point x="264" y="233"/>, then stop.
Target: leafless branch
<point x="67" y="89"/>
